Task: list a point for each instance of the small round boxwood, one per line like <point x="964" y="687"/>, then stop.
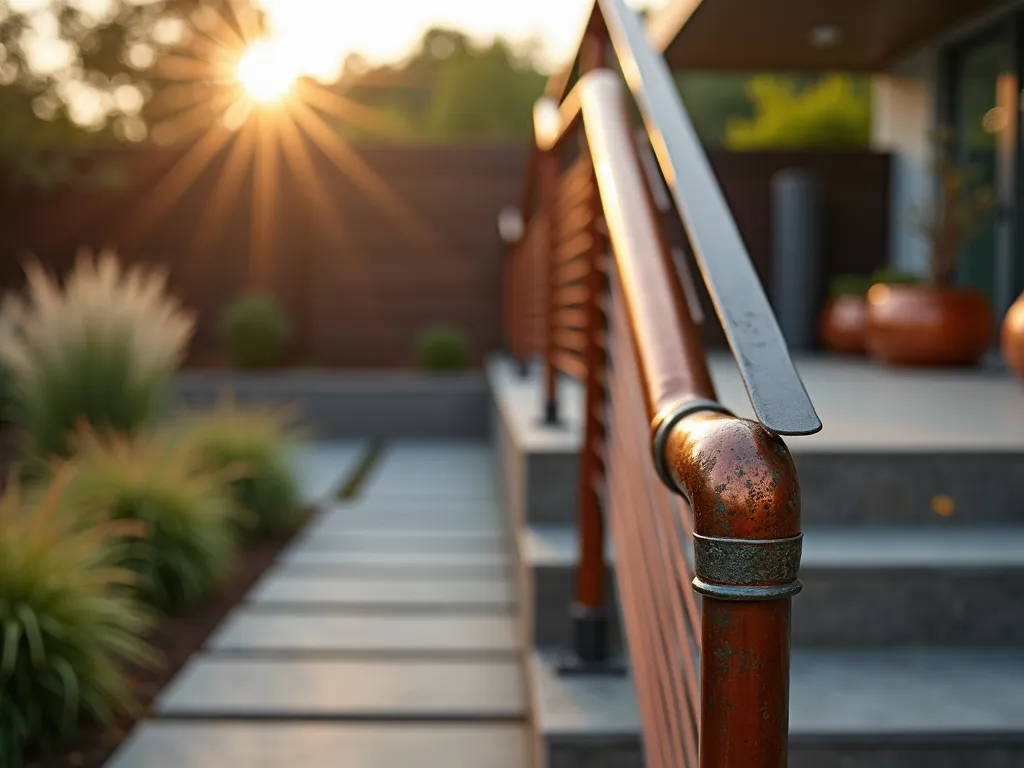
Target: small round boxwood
<point x="443" y="348"/>
<point x="255" y="331"/>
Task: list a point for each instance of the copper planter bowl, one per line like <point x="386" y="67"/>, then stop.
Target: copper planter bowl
<point x="1013" y="337"/>
<point x="844" y="324"/>
<point x="928" y="325"/>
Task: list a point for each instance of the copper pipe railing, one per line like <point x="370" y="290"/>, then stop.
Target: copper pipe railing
<point x="703" y="507"/>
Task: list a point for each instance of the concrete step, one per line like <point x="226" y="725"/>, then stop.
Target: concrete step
<point x="323" y="467"/>
<point x="214" y="686"/>
<point x="165" y="744"/>
<point x="538" y="464"/>
<point x="346" y="633"/>
<point x="863" y="587"/>
<point x="582" y="721"/>
<point x="910" y="586"/>
<point x="396" y="542"/>
<point x="904" y="709"/>
<point x="547" y="582"/>
<point x="469" y="563"/>
<point x="938" y="487"/>
<point x="848" y="709"/>
<point x="285" y="588"/>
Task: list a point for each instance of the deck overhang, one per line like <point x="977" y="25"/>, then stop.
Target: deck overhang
<point x="810" y="35"/>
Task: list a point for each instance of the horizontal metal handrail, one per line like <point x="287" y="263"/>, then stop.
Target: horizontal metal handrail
<point x="776" y="392"/>
<point x="674" y="366"/>
<point x="622" y="323"/>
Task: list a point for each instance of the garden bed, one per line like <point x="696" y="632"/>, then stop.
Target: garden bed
<point x="175" y="640"/>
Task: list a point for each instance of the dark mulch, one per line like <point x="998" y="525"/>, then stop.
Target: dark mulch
<point x="175" y="640"/>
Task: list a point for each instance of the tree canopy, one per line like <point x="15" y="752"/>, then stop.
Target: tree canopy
<point x="450" y="89"/>
<point x="831" y="111"/>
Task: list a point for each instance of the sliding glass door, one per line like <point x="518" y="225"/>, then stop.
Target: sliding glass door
<point x="985" y="108"/>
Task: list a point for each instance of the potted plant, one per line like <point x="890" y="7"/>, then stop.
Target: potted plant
<point x="935" y="323"/>
<point x="843" y="321"/>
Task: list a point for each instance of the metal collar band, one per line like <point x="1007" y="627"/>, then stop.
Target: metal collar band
<point x="747" y="569"/>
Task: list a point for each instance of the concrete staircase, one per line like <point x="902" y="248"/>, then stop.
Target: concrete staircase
<point x="384" y="637"/>
<point x="909" y="634"/>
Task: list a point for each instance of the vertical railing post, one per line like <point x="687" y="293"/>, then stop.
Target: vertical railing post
<point x="548" y="182"/>
<point x="589" y="612"/>
<point x="742" y="486"/>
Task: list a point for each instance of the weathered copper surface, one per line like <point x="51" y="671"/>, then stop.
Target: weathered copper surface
<point x="742" y="485"/>
<point x="739" y="479"/>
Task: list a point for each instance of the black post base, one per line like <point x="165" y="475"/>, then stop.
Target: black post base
<point x="551" y="413"/>
<point x="590" y="654"/>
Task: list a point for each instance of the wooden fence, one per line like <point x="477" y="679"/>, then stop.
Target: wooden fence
<point x="367" y="252"/>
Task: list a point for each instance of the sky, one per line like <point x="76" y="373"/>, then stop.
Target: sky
<point x="316" y="35"/>
<point x="323" y="31"/>
<point x="313" y="37"/>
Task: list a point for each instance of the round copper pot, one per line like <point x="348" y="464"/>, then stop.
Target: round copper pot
<point x="927" y="325"/>
<point x="843" y="324"/>
<point x="1013" y="337"/>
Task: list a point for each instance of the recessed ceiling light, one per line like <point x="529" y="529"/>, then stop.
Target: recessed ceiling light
<point x="825" y="35"/>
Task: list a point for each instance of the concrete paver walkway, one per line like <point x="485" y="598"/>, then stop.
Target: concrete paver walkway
<point x="385" y="636"/>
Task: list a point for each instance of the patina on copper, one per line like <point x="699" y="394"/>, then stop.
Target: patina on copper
<point x="742" y="486"/>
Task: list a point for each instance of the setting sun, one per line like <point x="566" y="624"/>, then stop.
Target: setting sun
<point x="265" y="72"/>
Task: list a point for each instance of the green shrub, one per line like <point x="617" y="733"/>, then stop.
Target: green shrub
<point x="69" y="623"/>
<point x="254" y="331"/>
<point x="443" y="348"/>
<point x="858" y="285"/>
<point x="100" y="350"/>
<point x="849" y="285"/>
<point x="254" y="445"/>
<point x="891" y="276"/>
<point x="189" y="544"/>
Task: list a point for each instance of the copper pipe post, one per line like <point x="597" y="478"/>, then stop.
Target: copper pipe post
<point x="742" y="486"/>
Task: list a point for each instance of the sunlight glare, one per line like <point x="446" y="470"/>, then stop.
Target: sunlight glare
<point x="266" y="74"/>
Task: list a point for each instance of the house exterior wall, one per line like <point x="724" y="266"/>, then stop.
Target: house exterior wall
<point x="904" y="113"/>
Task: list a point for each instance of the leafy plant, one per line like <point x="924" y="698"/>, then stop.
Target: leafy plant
<point x="443" y="348"/>
<point x="255" y="331"/>
<point x="100" y="349"/>
<point x="254" y="445"/>
<point x="858" y="285"/>
<point x="963" y="208"/>
<point x="68" y="619"/>
<point x="834" y="111"/>
<point x="188" y="514"/>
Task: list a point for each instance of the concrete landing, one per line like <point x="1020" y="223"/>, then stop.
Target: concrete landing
<point x="384" y="637"/>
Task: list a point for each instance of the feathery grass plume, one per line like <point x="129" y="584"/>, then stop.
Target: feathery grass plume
<point x="69" y="619"/>
<point x="190" y="539"/>
<point x="98" y="349"/>
<point x="255" y="445"/>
